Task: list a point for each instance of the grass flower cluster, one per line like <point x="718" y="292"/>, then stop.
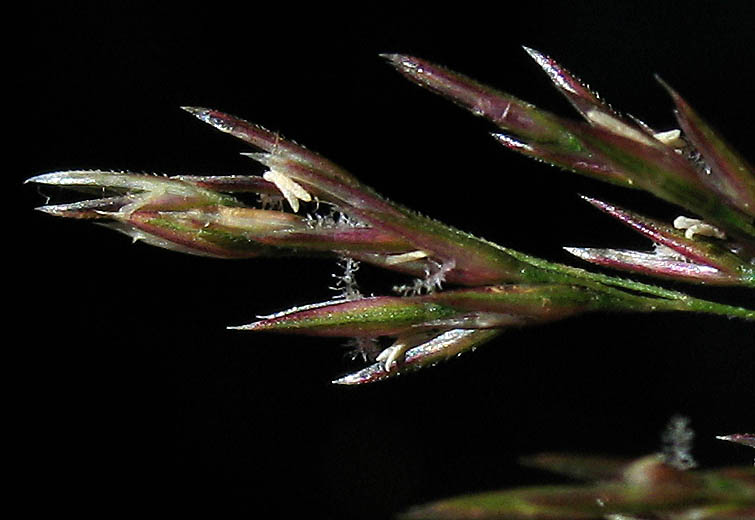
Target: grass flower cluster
<point x="308" y="206"/>
<point x="462" y="290"/>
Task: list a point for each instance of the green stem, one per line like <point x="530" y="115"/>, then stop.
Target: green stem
<point x="661" y="299"/>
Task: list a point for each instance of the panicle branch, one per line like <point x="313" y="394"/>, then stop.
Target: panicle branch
<point x="467" y="289"/>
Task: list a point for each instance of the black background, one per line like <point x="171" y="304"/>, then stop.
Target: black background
<point x="130" y="395"/>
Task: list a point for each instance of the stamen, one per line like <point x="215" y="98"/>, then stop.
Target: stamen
<point x="289" y="188"/>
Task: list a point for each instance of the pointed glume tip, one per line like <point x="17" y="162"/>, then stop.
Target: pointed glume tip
<point x="669" y="89"/>
<point x="45" y="178"/>
<point x="66" y="178"/>
<point x="345" y="380"/>
<point x="248" y="326"/>
<point x="402" y="62"/>
<point x="197" y="111"/>
<point x="391" y="56"/>
<point x="595" y="202"/>
<point x="535" y="54"/>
